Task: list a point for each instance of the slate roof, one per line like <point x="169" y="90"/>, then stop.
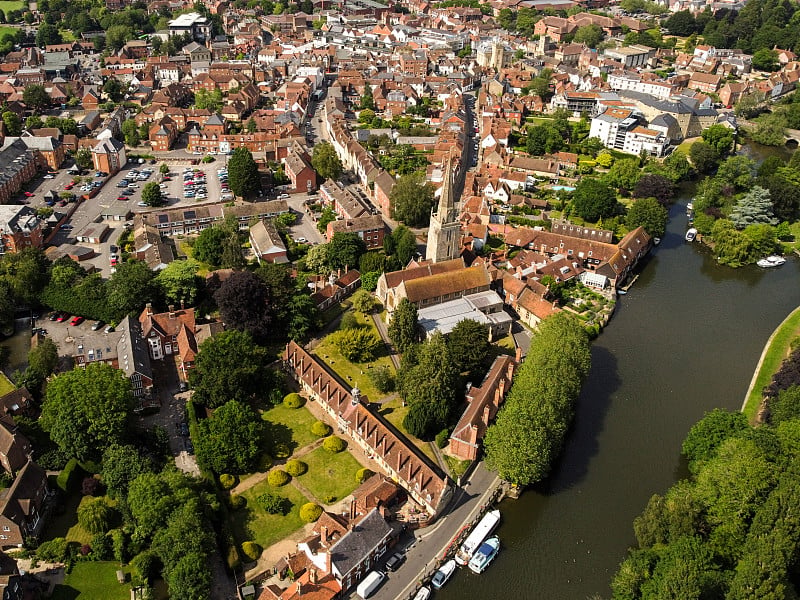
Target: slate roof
<point x="359" y="542"/>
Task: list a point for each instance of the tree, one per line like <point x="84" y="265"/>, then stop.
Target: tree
<point x="34" y="122"/>
<point x="363" y="302"/>
<point x="770" y="130"/>
<point x="681" y="23"/>
<point x="625" y="174"/>
<point x="750" y="105"/>
<point x="83" y="158"/>
<point x="230" y="366"/>
<point x="47" y="35"/>
<point x="405" y="244"/>
<point x="469" y="347"/>
<point x="232" y="257"/>
<point x="345" y="249"/>
<point x="131" y="132"/>
<point x="208" y="245"/>
<point x="367" y="100"/>
<point x="357" y="345"/>
<point x="704" y="157"/>
<point x="591" y="35"/>
<point x="179" y="282"/>
<point x="593" y="200"/>
<point x="190" y="579"/>
<point x="230" y="440"/>
<point x="243" y="175"/>
<point x="708" y="433"/>
<point x="720" y="138"/>
<point x="86" y="410"/>
<point x="151" y="193"/>
<point x="766" y="59"/>
<point x="164" y="169"/>
<point x="304" y="317"/>
<point x="94" y="515"/>
<point x="648" y="213"/>
<point x="753" y="207"/>
<point x="246" y="304"/>
<point x="121" y="465"/>
<point x="653" y="186"/>
<point x="129" y="288"/>
<point x="326" y="162"/>
<point x="36" y="98"/>
<point x="42" y="361"/>
<point x="12" y="122"/>
<point x="203" y="99"/>
<point x="404" y="327"/>
<point x="412" y="199"/>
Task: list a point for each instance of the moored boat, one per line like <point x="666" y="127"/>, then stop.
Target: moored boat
<point x="691" y="234"/>
<point x="771" y="261"/>
<point x="485" y="555"/>
<point x="443" y="574"/>
<point x="423" y="594"/>
<point x="482" y="530"/>
<point x="656" y="241"/>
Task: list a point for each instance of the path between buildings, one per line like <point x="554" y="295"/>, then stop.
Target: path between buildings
<point x="381" y="327"/>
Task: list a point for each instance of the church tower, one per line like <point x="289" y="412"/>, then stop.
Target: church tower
<point x="444" y="233"/>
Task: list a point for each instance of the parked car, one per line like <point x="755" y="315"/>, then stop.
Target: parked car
<point x="109" y="329"/>
<point x="29" y="194"/>
<point x="394" y="562"/>
<point x="98" y="326"/>
<point x="65" y="226"/>
<point x="48" y="176"/>
<point x="54" y="316"/>
<point x="69" y="186"/>
<point x="122" y="198"/>
<point x="141" y="203"/>
<point x="113" y="249"/>
<point x="185" y="429"/>
<point x="76" y="321"/>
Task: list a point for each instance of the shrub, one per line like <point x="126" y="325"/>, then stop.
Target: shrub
<point x="382" y="378"/>
<point x="442" y="438"/>
<point x="334" y="444"/>
<point x="293" y="400"/>
<point x="236" y="501"/>
<point x="278" y="477"/>
<point x="349" y="321"/>
<point x="310" y="512"/>
<point x="53" y="551"/>
<point x="146" y="565"/>
<point x="357" y="345"/>
<point x="281" y="451"/>
<point x="227" y="481"/>
<point x="94" y="515"/>
<point x="251" y="550"/>
<point x="69" y="477"/>
<point x="330" y="499"/>
<point x="272" y="503"/>
<point x="101" y="547"/>
<point x="264" y="462"/>
<point x="295" y="467"/>
<point x="321" y="429"/>
<point x="90" y="486"/>
<point x="363" y="474"/>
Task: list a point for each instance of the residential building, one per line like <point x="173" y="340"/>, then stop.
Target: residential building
<point x="339" y="286"/>
<point x="300" y="173"/>
<point x="20" y="228"/>
<point x="49" y="148"/>
<point x="631" y="56"/>
<point x="621" y="129"/>
<point x="193" y="23"/>
<point x="133" y="359"/>
<point x="184" y="221"/>
<point x="109" y="156"/>
<point x="267" y="244"/>
<point x="370" y="228"/>
<point x="21" y="506"/>
<point x="15" y="448"/>
<point x="18" y="165"/>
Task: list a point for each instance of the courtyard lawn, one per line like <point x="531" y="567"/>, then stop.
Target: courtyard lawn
<point x="394" y="412"/>
<point x="355" y="374"/>
<point x="290" y="426"/>
<point x="94" y="581"/>
<point x="9" y="30"/>
<point x="253" y="523"/>
<point x="330" y="477"/>
<point x="5" y="385"/>
<point x="60" y="524"/>
<point x="9" y="5"/>
<point x="776" y="350"/>
<point x="185" y="248"/>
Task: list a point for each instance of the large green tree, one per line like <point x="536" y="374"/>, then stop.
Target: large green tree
<point x="593" y="200"/>
<point x="42" y="362"/>
<point x="230" y="440"/>
<point x="121" y="465"/>
<point x="36" y="98"/>
<point x="404" y="326"/>
<point x="245" y="303"/>
<point x="12" y="122"/>
<point x="208" y="246"/>
<point x="752" y="208"/>
<point x="179" y="282"/>
<point x="412" y="199"/>
<point x="624" y="174"/>
<point x="230" y="366"/>
<point x="469" y="347"/>
<point x="720" y="138"/>
<point x="243" y="176"/>
<point x="86" y="410"/>
<point x="326" y="162"/>
<point x="151" y="192"/>
<point x="345" y="250"/>
<point x="648" y="213"/>
<point x="130" y="288"/>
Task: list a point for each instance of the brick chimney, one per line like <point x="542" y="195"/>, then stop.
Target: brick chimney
<point x="312" y="576"/>
<point x="323" y="535"/>
<point x="171" y="311"/>
<point x="149" y="309"/>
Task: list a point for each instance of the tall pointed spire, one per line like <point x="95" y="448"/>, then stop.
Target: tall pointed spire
<point x="444" y="233"/>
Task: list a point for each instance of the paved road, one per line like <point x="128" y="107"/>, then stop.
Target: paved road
<point x="427" y="546"/>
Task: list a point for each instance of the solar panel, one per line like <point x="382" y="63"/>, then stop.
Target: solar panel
<point x="189" y="214"/>
<point x="163" y="218"/>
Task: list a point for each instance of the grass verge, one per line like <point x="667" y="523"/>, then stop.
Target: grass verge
<point x="290" y="426"/>
<point x="330" y="477"/>
<point x="94" y="581"/>
<point x="5" y="385"/>
<point x="776" y="349"/>
<point x="253" y="523"/>
<point x="457" y="467"/>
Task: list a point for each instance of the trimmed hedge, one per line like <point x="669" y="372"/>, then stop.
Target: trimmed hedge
<point x="310" y="512"/>
<point x="334" y="444"/>
<point x="295" y="467"/>
<point x="68" y="478"/>
<point x="278" y="477"/>
<point x="363" y="474"/>
<point x="321" y="429"/>
<point x="227" y="481"/>
<point x="293" y="400"/>
<point x="251" y="550"/>
<point x="443" y="438"/>
<point x="236" y="501"/>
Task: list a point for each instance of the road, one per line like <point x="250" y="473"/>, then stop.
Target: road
<point x="425" y="548"/>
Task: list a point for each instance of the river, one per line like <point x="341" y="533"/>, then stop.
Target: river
<point x="684" y="340"/>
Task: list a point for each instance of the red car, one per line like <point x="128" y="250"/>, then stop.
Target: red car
<point x="123" y="198"/>
<point x="69" y="186"/>
<point x="76" y="321"/>
<point x="62" y="317"/>
<point x="28" y="194"/>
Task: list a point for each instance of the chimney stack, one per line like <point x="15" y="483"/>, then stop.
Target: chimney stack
<point x="171" y="311"/>
<point x="312" y="576"/>
<point x="324" y="535"/>
<point x="149" y="308"/>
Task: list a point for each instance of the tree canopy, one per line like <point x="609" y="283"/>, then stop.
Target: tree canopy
<point x="593" y="200"/>
<point x="326" y="162"/>
<point x="246" y="304"/>
<point x="648" y="213"/>
<point x="404" y="326"/>
<point x="243" y="176"/>
<point x="230" y="440"/>
<point x="412" y="199"/>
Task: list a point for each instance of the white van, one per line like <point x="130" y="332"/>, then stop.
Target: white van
<point x="371" y="583"/>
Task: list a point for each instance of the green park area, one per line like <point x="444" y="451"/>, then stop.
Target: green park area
<point x="5" y="384"/>
<point x="94" y="581"/>
<point x="289" y="427"/>
<point x="253" y="522"/>
<point x="776" y="350"/>
<point x="8" y="5"/>
<point x="330" y="477"/>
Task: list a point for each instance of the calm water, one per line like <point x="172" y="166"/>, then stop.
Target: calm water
<point x="684" y="340"/>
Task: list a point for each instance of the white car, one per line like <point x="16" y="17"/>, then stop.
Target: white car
<point x="141" y="204"/>
<point x="163" y="186"/>
<point x="48" y="176"/>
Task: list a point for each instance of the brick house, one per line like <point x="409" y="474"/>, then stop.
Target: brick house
<point x="337" y="289"/>
<point x="109" y="156"/>
<point x="50" y="149"/>
<point x="371" y="229"/>
<point x="162" y="134"/>
<point x="21" y="506"/>
<point x="20" y="228"/>
<point x="15" y="448"/>
<point x="161" y="330"/>
<point x="300" y="172"/>
<point x="705" y="82"/>
<point x="18" y="164"/>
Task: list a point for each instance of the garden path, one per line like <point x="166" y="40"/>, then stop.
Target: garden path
<point x="257" y="478"/>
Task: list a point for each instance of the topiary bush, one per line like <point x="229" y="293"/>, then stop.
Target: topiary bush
<point x="273" y="504"/>
<point x="251" y="550"/>
<point x="442" y="438"/>
<point x="55" y="550"/>
<point x="68" y="478"/>
<point x="334" y="444"/>
<point x="293" y="400"/>
<point x="282" y="451"/>
<point x="295" y="467"/>
<point x="227" y="481"/>
<point x="236" y="501"/>
<point x="310" y="512"/>
<point x="321" y="429"/>
<point x="363" y="474"/>
<point x="264" y="462"/>
<point x="278" y="477"/>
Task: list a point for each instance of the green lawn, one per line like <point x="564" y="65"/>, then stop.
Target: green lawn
<point x="457" y="467"/>
<point x="777" y="350"/>
<point x="7" y="5"/>
<point x="253" y="523"/>
<point x="358" y="373"/>
<point x="330" y="474"/>
<point x="290" y="426"/>
<point x="5" y="385"/>
<point x="9" y="30"/>
<point x="60" y="524"/>
<point x="93" y="581"/>
<point x="204" y="269"/>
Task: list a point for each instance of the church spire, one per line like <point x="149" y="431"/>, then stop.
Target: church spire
<point x="444" y="233"/>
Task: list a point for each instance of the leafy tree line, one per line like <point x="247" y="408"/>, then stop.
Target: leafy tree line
<point x="731" y="531"/>
<point x="530" y="429"/>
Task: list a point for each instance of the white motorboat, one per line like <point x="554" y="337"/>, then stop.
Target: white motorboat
<point x="443" y="574"/>
<point x="771" y="261"/>
<point x="423" y="594"/>
<point x="485" y="555"/>
<point x="481" y="532"/>
<point x="691" y="234"/>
